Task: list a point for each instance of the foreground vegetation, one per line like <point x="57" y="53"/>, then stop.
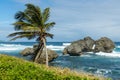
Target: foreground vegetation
<point x="12" y="68"/>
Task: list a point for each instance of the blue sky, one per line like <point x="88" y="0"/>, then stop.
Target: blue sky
<point x="75" y="19"/>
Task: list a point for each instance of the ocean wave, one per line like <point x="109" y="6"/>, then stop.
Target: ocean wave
<point x="86" y="55"/>
<point x="66" y="44"/>
<point x="117" y="46"/>
<point x="56" y="48"/>
<point x="12" y="47"/>
<point x="113" y="54"/>
<point x="97" y="71"/>
<point x="103" y="71"/>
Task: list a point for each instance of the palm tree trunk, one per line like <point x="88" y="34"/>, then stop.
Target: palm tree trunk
<point x="45" y="52"/>
<point x="38" y="52"/>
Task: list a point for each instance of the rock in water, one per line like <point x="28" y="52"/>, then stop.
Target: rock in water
<point x="27" y="51"/>
<point x="79" y="47"/>
<point x="30" y="51"/>
<point x="89" y="45"/>
<point x="51" y="56"/>
<point x="104" y="44"/>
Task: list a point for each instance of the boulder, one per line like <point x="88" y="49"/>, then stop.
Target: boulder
<point x="51" y="56"/>
<point x="30" y="51"/>
<point x="79" y="47"/>
<point x="87" y="44"/>
<point x="27" y="51"/>
<point x="104" y="44"/>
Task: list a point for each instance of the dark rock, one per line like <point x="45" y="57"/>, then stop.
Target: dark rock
<point x="27" y="51"/>
<point x="89" y="45"/>
<point x="30" y="51"/>
<point x="79" y="47"/>
<point x="51" y="56"/>
<point x="104" y="44"/>
<point x="35" y="46"/>
<point x="65" y="51"/>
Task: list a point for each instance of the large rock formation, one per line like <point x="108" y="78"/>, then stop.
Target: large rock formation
<point x="104" y="44"/>
<point x="79" y="47"/>
<point x="89" y="45"/>
<point x="30" y="51"/>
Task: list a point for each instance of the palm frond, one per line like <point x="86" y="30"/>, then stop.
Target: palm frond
<point x="34" y="8"/>
<point x="31" y="29"/>
<point x="46" y="14"/>
<point x="34" y="12"/>
<point x="48" y="26"/>
<point x="19" y="15"/>
<point x="28" y="36"/>
<point x="21" y="33"/>
<point x="21" y="24"/>
<point x="49" y="35"/>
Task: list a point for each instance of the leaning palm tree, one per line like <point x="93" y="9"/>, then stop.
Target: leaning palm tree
<point x="32" y="23"/>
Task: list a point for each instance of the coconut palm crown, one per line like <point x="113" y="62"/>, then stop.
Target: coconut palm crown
<point x="33" y="23"/>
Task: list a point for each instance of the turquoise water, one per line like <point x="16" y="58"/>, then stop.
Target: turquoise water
<point x="102" y="64"/>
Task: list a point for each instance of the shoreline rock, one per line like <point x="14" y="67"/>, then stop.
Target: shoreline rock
<point x="87" y="44"/>
<point x="104" y="44"/>
<point x="30" y="51"/>
<point x="27" y="51"/>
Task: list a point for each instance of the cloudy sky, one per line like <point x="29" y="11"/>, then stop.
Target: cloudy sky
<point x="75" y="19"/>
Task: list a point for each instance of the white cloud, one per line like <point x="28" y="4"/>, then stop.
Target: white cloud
<point x="80" y="18"/>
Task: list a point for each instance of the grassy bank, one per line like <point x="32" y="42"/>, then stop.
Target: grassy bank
<point x="12" y="68"/>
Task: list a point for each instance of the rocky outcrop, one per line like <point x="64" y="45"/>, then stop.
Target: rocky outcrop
<point x="104" y="44"/>
<point x="51" y="56"/>
<point x="79" y="47"/>
<point x="30" y="51"/>
<point x="89" y="45"/>
<point x="27" y="51"/>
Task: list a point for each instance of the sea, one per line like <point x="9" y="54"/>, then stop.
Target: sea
<point x="100" y="64"/>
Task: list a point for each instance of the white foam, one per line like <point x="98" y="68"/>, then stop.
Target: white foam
<point x="56" y="48"/>
<point x="113" y="54"/>
<point x="66" y="44"/>
<point x="85" y="55"/>
<point x="90" y="52"/>
<point x="12" y="47"/>
<point x="117" y="46"/>
<point x="102" y="71"/>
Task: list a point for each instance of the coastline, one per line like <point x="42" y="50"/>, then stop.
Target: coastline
<point x="91" y="63"/>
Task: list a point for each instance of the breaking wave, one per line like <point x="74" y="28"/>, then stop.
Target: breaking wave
<point x="113" y="54"/>
<point x="57" y="48"/>
<point x="12" y="47"/>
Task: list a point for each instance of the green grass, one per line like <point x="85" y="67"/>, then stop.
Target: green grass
<point x="12" y="68"/>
